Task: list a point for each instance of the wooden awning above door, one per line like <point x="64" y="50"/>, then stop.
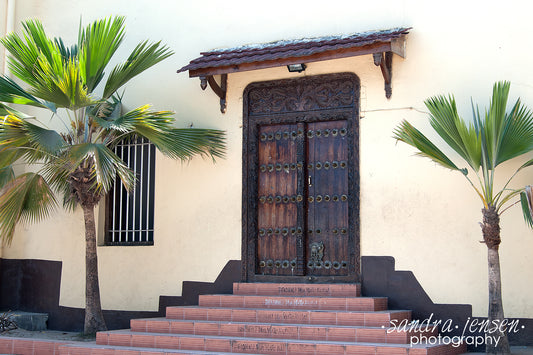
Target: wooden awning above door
<point x="381" y="44"/>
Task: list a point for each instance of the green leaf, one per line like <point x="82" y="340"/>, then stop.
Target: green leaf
<point x="57" y="172"/>
<point x="24" y="52"/>
<point x="97" y="44"/>
<point x="45" y="139"/>
<point x="12" y="133"/>
<point x="462" y="138"/>
<point x="6" y="175"/>
<point x="41" y="63"/>
<point x="36" y="142"/>
<point x="106" y="165"/>
<point x="157" y="127"/>
<point x="66" y="52"/>
<point x="62" y="76"/>
<point x="495" y="121"/>
<point x="6" y="110"/>
<point x="11" y="92"/>
<point x="28" y="198"/>
<point x="185" y="143"/>
<point x="407" y="133"/>
<point x="517" y="135"/>
<point x="526" y="199"/>
<point x="63" y="86"/>
<point x="489" y="140"/>
<point x="144" y="56"/>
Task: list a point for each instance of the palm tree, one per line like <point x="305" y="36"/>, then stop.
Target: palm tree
<point x="483" y="144"/>
<point x="74" y="158"/>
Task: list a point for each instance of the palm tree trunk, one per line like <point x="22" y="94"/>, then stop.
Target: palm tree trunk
<point x="94" y="319"/>
<point x="491" y="237"/>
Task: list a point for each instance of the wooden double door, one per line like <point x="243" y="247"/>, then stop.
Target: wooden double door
<point x="301" y="181"/>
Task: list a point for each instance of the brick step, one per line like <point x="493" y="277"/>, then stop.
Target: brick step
<point x="350" y="318"/>
<point x="261" y="346"/>
<point x="289" y="289"/>
<point x="278" y="331"/>
<point x="265" y="318"/>
<point x="295" y="302"/>
<point x="88" y="349"/>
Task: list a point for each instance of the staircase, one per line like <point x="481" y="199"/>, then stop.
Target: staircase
<point x="267" y="318"/>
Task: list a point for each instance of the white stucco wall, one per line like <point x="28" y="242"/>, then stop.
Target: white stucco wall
<point x="423" y="215"/>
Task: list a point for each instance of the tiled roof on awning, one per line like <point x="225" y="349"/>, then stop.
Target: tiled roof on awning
<point x="381" y="44"/>
<point x="280" y="53"/>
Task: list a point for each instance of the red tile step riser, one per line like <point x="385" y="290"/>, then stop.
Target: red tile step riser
<point x="25" y="346"/>
<point x="108" y="350"/>
<point x="295" y="302"/>
<point x="277" y="331"/>
<point x="265" y="346"/>
<point x="320" y="290"/>
<point x="361" y="319"/>
<point x="307" y="349"/>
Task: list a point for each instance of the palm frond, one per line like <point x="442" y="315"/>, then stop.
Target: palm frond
<point x="517" y="136"/>
<point x="185" y="143"/>
<point x="13" y="133"/>
<point x="144" y="56"/>
<point x="491" y="139"/>
<point x="42" y="63"/>
<point x="57" y="172"/>
<point x="66" y="52"/>
<point x="106" y="111"/>
<point x="106" y="165"/>
<point x="11" y="92"/>
<point x="35" y="141"/>
<point x="526" y="199"/>
<point x="45" y="139"/>
<point x="65" y="77"/>
<point x="62" y="84"/>
<point x="6" y="175"/>
<point x="28" y="55"/>
<point x="462" y="138"/>
<point x="23" y="53"/>
<point x="97" y="44"/>
<point x="28" y="198"/>
<point x="495" y="121"/>
<point x="9" y="157"/>
<point x="6" y="110"/>
<point x="36" y="35"/>
<point x="487" y="169"/>
<point x="407" y="133"/>
<point x="156" y="126"/>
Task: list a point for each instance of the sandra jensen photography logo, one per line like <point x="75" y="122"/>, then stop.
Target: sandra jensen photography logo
<point x="475" y="332"/>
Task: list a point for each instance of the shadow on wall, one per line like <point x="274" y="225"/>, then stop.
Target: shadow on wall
<point x="34" y="285"/>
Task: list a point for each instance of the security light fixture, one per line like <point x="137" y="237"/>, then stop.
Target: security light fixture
<point x="296" y="67"/>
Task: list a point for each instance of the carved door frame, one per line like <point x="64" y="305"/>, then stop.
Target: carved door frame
<point x="309" y="99"/>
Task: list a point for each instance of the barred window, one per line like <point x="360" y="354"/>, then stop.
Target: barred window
<point x="130" y="216"/>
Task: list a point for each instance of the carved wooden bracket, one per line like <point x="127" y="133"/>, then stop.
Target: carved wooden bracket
<point x="219" y="90"/>
<point x="384" y="61"/>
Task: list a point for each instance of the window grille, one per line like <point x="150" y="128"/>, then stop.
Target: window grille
<point x="130" y="216"/>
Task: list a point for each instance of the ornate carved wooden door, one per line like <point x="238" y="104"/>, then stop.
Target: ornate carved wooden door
<point x="301" y="182"/>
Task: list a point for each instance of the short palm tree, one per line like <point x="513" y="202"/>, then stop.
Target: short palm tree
<point x="488" y="141"/>
<point x="74" y="157"/>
